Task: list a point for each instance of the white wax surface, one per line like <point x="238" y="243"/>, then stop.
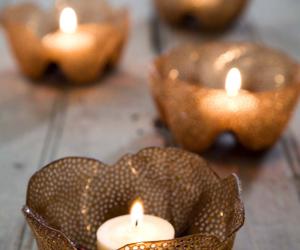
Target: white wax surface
<point x="119" y="231"/>
<point x="68" y="42"/>
<point x="220" y="102"/>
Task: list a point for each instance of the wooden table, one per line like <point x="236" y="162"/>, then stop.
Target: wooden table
<point x="40" y="123"/>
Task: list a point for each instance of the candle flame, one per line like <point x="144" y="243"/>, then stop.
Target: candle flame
<point x="137" y="212"/>
<point x="233" y="82"/>
<point x="68" y="20"/>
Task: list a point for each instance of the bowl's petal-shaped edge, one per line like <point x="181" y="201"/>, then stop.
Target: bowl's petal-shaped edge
<point x="185" y="243"/>
<point x="210" y="18"/>
<point x="18" y="13"/>
<point x="23" y="26"/>
<point x="40" y="228"/>
<point x="157" y="88"/>
<point x="95" y="62"/>
<point x="202" y="241"/>
<point x="238" y="219"/>
<point x="47" y="238"/>
<point x="164" y="89"/>
<point x="123" y="24"/>
<point x="58" y="240"/>
<point x="223" y="201"/>
<point x="24" y="41"/>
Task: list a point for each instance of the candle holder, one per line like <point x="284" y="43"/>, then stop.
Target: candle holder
<point x="82" y="60"/>
<point x="207" y="14"/>
<point x="70" y="198"/>
<point x="188" y="85"/>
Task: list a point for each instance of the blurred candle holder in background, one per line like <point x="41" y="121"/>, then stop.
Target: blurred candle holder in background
<point x="82" y="38"/>
<point x="206" y="90"/>
<point x="211" y="15"/>
<point x="177" y="186"/>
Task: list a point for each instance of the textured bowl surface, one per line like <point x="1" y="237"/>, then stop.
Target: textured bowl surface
<point x="208" y="14"/>
<point x="69" y="199"/>
<point x="26" y="26"/>
<point x="188" y="84"/>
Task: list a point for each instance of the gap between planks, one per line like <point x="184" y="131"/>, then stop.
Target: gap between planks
<point x="51" y="144"/>
<point x="289" y="143"/>
<point x="291" y="151"/>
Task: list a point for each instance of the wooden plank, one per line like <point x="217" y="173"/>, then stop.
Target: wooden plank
<point x="278" y="30"/>
<point x="116" y="116"/>
<point x="26" y="111"/>
<point x="270" y="186"/>
<point x="282" y="35"/>
<point x="48" y="154"/>
<point x="3" y="3"/>
<point x="29" y="118"/>
<point x="268" y="192"/>
<point x="278" y="24"/>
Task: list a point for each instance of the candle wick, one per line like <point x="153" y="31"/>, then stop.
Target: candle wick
<point x="136" y="223"/>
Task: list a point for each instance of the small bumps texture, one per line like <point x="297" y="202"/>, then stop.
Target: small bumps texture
<point x="209" y="14"/>
<point x="188" y="85"/>
<point x="69" y="199"/>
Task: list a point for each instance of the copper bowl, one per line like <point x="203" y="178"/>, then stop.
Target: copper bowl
<point x="70" y="198"/>
<point x="208" y="14"/>
<point x="188" y="85"/>
<point x="27" y="25"/>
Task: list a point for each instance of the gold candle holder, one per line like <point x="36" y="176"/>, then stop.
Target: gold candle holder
<point x="69" y="199"/>
<point x="82" y="53"/>
<point x="211" y="15"/>
<point x="188" y="85"/>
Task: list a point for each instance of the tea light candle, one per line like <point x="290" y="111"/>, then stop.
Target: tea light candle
<point x="68" y="39"/>
<point x="234" y="99"/>
<point x="133" y="228"/>
<point x="245" y="89"/>
<point x="233" y="82"/>
<point x="82" y="51"/>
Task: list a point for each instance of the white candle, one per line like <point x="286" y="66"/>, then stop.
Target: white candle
<point x="68" y="38"/>
<point x="233" y="101"/>
<point x="133" y="228"/>
<point x="233" y="82"/>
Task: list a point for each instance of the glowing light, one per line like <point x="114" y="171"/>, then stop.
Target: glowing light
<point x="174" y="74"/>
<point x="68" y="20"/>
<point x="137" y="213"/>
<point x="279" y="79"/>
<point x="233" y="82"/>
